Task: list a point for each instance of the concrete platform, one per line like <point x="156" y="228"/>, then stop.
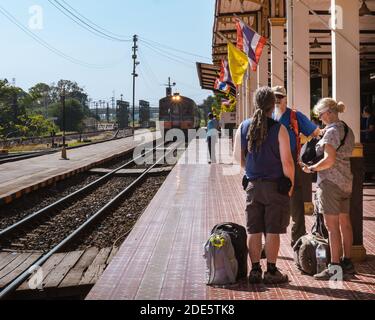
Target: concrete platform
<point x="162" y="256"/>
<point x="22" y="177"/>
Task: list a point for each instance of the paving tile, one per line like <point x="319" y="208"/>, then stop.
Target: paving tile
<point x="163" y="254"/>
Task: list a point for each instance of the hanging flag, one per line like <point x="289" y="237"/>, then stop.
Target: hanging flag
<point x="222" y="86"/>
<point x="225" y="72"/>
<point x="225" y="102"/>
<point x="238" y="63"/>
<point x="250" y="42"/>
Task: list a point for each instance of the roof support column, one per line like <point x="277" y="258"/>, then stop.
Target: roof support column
<point x="345" y="61"/>
<point x="299" y="52"/>
<point x="263" y="72"/>
<point x="251" y="84"/>
<point x="325" y="78"/>
<point x="346" y="88"/>
<point x="277" y="51"/>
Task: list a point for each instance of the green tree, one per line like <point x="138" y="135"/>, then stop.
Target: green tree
<point x="206" y="106"/>
<point x="35" y="126"/>
<point x="72" y="90"/>
<point x="74" y="114"/>
<point x="12" y="106"/>
<point x="39" y="98"/>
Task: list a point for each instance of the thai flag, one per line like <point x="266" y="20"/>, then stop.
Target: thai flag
<point x="250" y="42"/>
<point x="221" y="86"/>
<point x="225" y="72"/>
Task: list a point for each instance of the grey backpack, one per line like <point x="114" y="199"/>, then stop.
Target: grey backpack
<point x="305" y="252"/>
<point x="222" y="265"/>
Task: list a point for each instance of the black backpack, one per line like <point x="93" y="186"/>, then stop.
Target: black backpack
<point x="308" y="152"/>
<point x="238" y="237"/>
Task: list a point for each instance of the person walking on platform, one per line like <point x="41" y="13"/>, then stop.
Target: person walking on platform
<point x="212" y="136"/>
<point x="296" y="123"/>
<point x="267" y="159"/>
<point x="335" y="185"/>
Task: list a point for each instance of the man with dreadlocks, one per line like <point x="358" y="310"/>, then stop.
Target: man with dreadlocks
<point x="267" y="159"/>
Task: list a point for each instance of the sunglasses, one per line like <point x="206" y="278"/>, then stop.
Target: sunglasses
<point x="278" y="97"/>
<point x="321" y="114"/>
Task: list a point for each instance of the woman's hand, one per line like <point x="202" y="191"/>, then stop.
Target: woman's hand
<point x="307" y="169"/>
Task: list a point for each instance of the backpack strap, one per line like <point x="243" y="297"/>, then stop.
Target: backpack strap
<point x="295" y="127"/>
<point x="346" y="128"/>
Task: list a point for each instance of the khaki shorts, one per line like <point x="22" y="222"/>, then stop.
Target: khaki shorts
<point x="331" y="200"/>
<point x="267" y="211"/>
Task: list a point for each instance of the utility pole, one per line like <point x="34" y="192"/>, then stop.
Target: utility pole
<point x="169" y="87"/>
<point x="108" y="112"/>
<point x="114" y="111"/>
<point x="134" y="74"/>
<point x="63" y="150"/>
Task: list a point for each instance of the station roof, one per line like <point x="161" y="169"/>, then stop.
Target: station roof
<point x="256" y="14"/>
<point x="207" y="74"/>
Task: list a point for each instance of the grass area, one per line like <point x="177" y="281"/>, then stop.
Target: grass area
<point x="72" y="143"/>
<point x="28" y="148"/>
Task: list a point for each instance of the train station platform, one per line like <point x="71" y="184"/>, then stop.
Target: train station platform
<point x="22" y="177"/>
<point x="161" y="259"/>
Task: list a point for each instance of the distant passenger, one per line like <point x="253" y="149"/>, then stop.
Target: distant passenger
<point x="267" y="159"/>
<point x="284" y="115"/>
<point x="369" y="131"/>
<point x="212" y="136"/>
<point x="335" y="185"/>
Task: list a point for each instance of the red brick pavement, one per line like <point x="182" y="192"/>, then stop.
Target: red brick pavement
<point x="162" y="257"/>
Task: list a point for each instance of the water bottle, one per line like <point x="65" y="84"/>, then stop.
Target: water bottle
<point x="321" y="258"/>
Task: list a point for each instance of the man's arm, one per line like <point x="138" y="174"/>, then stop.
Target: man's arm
<point x="318" y="132"/>
<point x="307" y="127"/>
<point x="286" y="156"/>
<point x="238" y="153"/>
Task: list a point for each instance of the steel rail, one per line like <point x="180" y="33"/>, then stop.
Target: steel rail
<point x="7" y="231"/>
<point x="11" y="287"/>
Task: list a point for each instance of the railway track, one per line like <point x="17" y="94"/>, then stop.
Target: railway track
<point x="28" y="155"/>
<point x="10" y="236"/>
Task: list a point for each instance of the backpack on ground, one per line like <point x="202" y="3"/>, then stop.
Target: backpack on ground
<point x="238" y="237"/>
<point x="305" y="252"/>
<point x="222" y="266"/>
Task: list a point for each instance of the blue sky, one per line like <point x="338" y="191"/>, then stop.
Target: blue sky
<point x="183" y="25"/>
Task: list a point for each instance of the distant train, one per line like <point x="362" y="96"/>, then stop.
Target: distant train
<point x="179" y="112"/>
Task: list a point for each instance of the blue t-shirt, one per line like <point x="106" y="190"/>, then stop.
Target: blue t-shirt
<point x="305" y="126"/>
<point x="212" y="127"/>
<point x="266" y="162"/>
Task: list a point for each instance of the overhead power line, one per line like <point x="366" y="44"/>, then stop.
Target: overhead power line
<point x="76" y="19"/>
<point x="48" y="46"/>
<point x="186" y="63"/>
<point x="171" y="48"/>
<point x="92" y="22"/>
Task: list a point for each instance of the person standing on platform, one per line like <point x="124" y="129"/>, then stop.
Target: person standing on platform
<point x="212" y="136"/>
<point x="296" y="123"/>
<point x="266" y="157"/>
<point x="369" y="131"/>
<point x="335" y="182"/>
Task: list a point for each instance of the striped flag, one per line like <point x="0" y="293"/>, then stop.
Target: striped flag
<point x="250" y="42"/>
<point x="225" y="75"/>
<point x="221" y="86"/>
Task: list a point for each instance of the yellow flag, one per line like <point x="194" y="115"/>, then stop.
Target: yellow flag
<point x="238" y="63"/>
